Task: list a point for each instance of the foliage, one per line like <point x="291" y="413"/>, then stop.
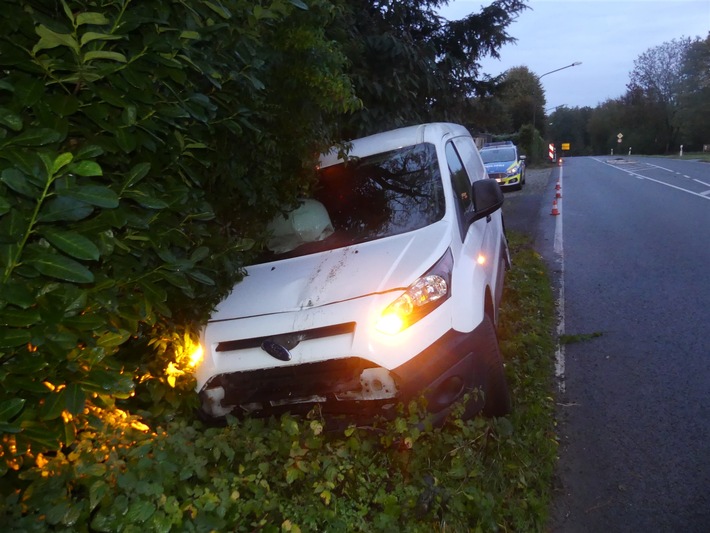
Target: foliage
<point x="694" y="101"/>
<point x="143" y="147"/>
<point x="645" y="124"/>
<point x="523" y="98"/>
<point x="664" y="106"/>
<point x="532" y="145"/>
<point x="294" y="475"/>
<point x="570" y="126"/>
<point x="142" y="144"/>
<point x="604" y="124"/>
<point x="657" y="71"/>
<point x="487" y="114"/>
<point x="409" y="65"/>
<point x="657" y="76"/>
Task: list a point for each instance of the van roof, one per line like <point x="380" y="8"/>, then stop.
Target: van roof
<point x="391" y="140"/>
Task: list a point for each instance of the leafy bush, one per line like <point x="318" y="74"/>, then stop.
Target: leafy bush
<point x="142" y="147"/>
<point x="142" y="144"/>
<point x="291" y="474"/>
<point x="532" y="144"/>
<point x="266" y="475"/>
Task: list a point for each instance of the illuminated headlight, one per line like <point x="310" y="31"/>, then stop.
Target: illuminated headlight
<point x="513" y="171"/>
<point x="420" y="299"/>
<point x="196" y="356"/>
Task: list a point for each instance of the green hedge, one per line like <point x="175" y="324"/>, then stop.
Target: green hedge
<point x="291" y="474"/>
<point x="142" y="144"/>
<point x="532" y="145"/>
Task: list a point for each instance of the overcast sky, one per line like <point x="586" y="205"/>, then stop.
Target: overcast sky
<point x="606" y="36"/>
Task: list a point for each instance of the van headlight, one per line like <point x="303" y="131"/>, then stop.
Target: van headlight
<point x="196" y="356"/>
<point x="421" y="298"/>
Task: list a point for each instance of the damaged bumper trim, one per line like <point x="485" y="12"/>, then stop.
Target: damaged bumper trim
<point x="444" y="372"/>
<point x="288" y="340"/>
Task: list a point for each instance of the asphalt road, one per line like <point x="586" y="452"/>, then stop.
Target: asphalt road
<point x="629" y="254"/>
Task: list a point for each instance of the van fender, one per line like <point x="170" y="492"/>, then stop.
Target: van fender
<point x="469" y="288"/>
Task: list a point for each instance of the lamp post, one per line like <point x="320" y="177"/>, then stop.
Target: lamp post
<point x="558" y="69"/>
<point x="545" y="74"/>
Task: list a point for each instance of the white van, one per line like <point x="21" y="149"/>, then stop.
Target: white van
<point x="383" y="285"/>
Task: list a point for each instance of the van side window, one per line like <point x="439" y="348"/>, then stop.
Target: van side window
<point x="460" y="183"/>
<point x="471" y="158"/>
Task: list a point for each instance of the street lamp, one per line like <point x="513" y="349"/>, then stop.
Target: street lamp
<point x="561" y="68"/>
<point x="545" y="74"/>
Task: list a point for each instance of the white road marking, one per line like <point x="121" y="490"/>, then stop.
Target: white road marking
<point x="663" y="168"/>
<point x="642" y="177"/>
<point x="558" y="248"/>
<point x="672" y="186"/>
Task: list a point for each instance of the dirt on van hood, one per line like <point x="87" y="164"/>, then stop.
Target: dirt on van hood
<point x="336" y="275"/>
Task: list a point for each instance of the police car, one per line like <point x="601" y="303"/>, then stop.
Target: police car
<point x="504" y="164"/>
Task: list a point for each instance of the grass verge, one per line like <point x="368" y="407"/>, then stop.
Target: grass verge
<point x="688" y="156"/>
<point x="291" y="475"/>
<point x="696" y="156"/>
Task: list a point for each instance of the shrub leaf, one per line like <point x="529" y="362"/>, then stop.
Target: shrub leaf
<point x="60" y="267"/>
<point x="10" y="408"/>
<point x="94" y="195"/>
<point x="72" y="243"/>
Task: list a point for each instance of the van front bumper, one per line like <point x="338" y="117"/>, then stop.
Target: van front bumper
<point x="353" y="386"/>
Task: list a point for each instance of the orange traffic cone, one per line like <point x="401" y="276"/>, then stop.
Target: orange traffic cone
<point x="555" y="211"/>
<point x="558" y="186"/>
<point x="559" y="194"/>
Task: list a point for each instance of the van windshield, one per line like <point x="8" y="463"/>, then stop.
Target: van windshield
<point x="363" y="199"/>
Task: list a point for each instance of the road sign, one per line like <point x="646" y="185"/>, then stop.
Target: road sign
<point x="565" y="146"/>
<point x="620" y="136"/>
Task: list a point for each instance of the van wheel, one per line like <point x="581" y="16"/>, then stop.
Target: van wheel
<point x="497" y="395"/>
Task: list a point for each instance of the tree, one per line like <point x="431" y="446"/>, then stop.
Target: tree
<point x="658" y="79"/>
<point x="665" y="104"/>
<point x="522" y="98"/>
<point x="694" y="102"/>
<point x="646" y="122"/>
<point x="633" y="115"/>
<point x="569" y="125"/>
<point x="488" y="114"/>
<point x="604" y="124"/>
<point x="410" y="65"/>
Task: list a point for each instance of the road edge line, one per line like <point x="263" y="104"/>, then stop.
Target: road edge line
<point x="558" y="249"/>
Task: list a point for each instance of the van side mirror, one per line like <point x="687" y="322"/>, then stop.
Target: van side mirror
<point x="523" y="157"/>
<point x="487" y="198"/>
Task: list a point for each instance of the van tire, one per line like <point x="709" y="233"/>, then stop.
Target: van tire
<point x="497" y="395"/>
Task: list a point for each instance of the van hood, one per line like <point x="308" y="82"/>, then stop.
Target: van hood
<point x="335" y="275"/>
